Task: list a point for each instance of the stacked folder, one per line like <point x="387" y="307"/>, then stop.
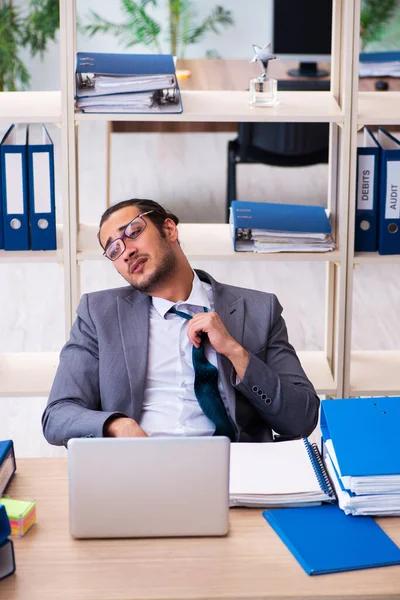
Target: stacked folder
<point x="126" y="83"/>
<point x="27" y="191"/>
<point x="362" y="453"/>
<point x="265" y="227"/>
<point x="377" y="225"/>
<point x="7" y="560"/>
<point x="7" y="464"/>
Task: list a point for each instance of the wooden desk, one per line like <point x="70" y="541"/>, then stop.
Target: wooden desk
<point x="250" y="563"/>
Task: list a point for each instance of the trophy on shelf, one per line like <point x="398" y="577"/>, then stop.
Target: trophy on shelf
<point x="263" y="89"/>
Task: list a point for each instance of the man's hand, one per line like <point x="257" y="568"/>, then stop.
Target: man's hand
<point x="124" y="427"/>
<point x="222" y="342"/>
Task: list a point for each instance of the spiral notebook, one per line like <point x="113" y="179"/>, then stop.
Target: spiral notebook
<point x="278" y="474"/>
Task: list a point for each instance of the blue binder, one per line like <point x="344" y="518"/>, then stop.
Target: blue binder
<point x="325" y="540"/>
<point x="365" y="434"/>
<point x="42" y="209"/>
<point x="366" y="224"/>
<point x="389" y="195"/>
<point x="14" y="188"/>
<point x="101" y="63"/>
<point x="5" y="527"/>
<point x="277" y="217"/>
<point x="7" y="464"/>
<point x="7" y="559"/>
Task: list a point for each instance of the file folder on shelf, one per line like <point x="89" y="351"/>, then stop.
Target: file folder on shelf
<point x="13" y="164"/>
<point x="7" y="464"/>
<point x="389" y="195"/>
<point x="127" y="83"/>
<point x="101" y="74"/>
<point x="366" y="226"/>
<point x="324" y="540"/>
<point x="267" y="227"/>
<point x="42" y="210"/>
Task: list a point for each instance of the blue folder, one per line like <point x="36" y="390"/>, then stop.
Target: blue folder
<point x="293" y="218"/>
<point x="5" y="527"/>
<point x="366" y="225"/>
<point x="42" y="209"/>
<point x="325" y="540"/>
<point x="14" y="188"/>
<point x="389" y="194"/>
<point x="7" y="464"/>
<point x="364" y="433"/>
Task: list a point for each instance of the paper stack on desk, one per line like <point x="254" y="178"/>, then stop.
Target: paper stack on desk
<point x="264" y="227"/>
<point x="362" y="453"/>
<point x="126" y="83"/>
<point x="21" y="513"/>
<point x="287" y="473"/>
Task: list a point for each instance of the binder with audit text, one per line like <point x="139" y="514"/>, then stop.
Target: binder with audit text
<point x="389" y="194"/>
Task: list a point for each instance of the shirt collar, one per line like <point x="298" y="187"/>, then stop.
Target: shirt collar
<point x="198" y="298"/>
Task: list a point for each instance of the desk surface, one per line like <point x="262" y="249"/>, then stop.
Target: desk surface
<point x="250" y="563"/>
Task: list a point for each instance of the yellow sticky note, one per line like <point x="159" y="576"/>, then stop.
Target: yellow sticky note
<point x="21" y="513"/>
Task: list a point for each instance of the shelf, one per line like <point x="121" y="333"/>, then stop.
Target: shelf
<point x="375" y="373"/>
<point x="27" y="373"/>
<point x="30" y="107"/>
<point x="234" y="106"/>
<point x="316" y="367"/>
<point x="204" y="241"/>
<point x="373" y="258"/>
<point x="378" y="108"/>
<point x="35" y="256"/>
<point x="32" y="374"/>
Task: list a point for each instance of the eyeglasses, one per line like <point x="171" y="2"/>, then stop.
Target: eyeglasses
<point x="132" y="231"/>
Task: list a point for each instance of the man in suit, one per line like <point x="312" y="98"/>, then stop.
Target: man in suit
<point x="133" y="367"/>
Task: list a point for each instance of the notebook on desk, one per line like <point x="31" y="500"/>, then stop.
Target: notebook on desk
<point x="288" y="473"/>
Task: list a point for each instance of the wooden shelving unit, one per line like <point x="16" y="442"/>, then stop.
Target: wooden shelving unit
<point x="337" y="370"/>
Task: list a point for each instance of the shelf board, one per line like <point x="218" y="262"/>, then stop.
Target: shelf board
<point x="233" y="106"/>
<point x="317" y="369"/>
<point x="378" y="108"/>
<point x="35" y="256"/>
<point x="32" y="374"/>
<point x="30" y="107"/>
<point x="375" y="373"/>
<point x="27" y="373"/>
<point x="204" y="241"/>
<point x="373" y="258"/>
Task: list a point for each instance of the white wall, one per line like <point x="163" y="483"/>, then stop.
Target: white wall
<point x="253" y="25"/>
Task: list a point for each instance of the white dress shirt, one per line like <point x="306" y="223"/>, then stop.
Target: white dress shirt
<point x="170" y="406"/>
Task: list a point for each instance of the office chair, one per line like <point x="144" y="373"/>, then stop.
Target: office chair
<point x="278" y="144"/>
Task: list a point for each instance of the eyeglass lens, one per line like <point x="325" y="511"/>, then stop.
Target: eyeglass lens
<point x="133" y="230"/>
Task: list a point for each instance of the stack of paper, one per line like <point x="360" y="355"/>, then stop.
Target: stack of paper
<point x="21" y="513"/>
<point x="126" y="83"/>
<point x="277" y="474"/>
<point x="362" y="453"/>
<point x="265" y="227"/>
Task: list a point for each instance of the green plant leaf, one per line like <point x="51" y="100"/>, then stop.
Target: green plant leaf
<point x="41" y="25"/>
<point x="374" y="18"/>
<point x="13" y="73"/>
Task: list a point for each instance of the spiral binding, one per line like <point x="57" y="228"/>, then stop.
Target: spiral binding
<point x="319" y="468"/>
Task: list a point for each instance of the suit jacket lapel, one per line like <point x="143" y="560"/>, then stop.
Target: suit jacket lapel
<point x="133" y="315"/>
<point x="231" y="312"/>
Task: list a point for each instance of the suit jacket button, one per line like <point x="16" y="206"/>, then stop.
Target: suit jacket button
<point x="267" y="400"/>
<point x="254" y="389"/>
<point x="260" y="392"/>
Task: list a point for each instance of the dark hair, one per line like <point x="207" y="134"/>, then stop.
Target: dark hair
<point x="157" y="217"/>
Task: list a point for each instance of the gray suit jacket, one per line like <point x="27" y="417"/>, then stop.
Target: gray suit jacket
<point x="103" y="366"/>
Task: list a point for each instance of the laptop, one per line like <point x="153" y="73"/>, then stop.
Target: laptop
<point x="148" y="487"/>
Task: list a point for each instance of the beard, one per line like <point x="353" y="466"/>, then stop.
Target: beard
<point x="167" y="262"/>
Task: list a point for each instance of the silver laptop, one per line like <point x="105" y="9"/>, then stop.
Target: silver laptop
<point x="148" y="487"/>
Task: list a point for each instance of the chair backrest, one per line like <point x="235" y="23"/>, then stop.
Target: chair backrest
<point x="285" y="139"/>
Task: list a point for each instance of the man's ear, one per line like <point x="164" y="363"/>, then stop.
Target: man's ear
<point x="171" y="230"/>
